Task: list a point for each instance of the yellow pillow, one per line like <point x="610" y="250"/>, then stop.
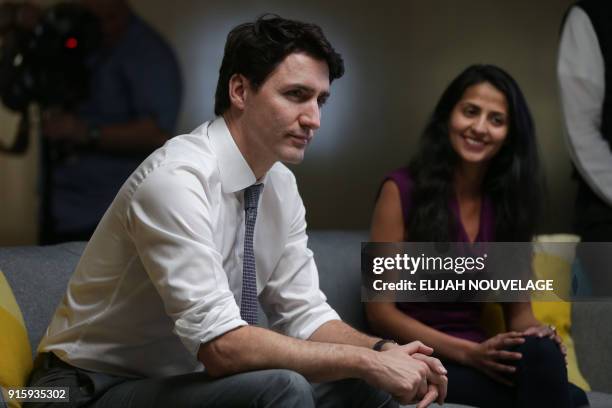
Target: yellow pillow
<point x="549" y="262"/>
<point x="559" y="314"/>
<point x="15" y="354"/>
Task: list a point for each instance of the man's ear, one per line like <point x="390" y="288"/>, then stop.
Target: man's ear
<point x="238" y="90"/>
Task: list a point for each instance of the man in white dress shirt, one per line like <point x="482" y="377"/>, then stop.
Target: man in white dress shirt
<point x="153" y="314"/>
<point x="585" y="78"/>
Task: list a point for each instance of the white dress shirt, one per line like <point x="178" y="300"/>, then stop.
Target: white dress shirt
<point x="580" y="70"/>
<point x="162" y="274"/>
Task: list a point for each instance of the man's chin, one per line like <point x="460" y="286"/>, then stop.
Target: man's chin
<point x="293" y="160"/>
<point x="294" y="156"/>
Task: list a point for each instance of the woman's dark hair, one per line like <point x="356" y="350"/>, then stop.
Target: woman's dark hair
<point x="255" y="50"/>
<point x="512" y="181"/>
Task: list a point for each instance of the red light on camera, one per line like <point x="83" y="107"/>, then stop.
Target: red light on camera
<point x="71" y="43"/>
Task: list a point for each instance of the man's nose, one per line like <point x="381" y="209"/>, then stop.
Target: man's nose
<point x="311" y="116"/>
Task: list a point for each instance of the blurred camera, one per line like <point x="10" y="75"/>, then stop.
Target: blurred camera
<point x="49" y="63"/>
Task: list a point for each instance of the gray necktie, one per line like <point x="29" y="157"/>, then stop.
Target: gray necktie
<point x="248" y="303"/>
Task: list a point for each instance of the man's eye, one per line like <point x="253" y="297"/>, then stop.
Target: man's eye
<point x="296" y="93"/>
<point x="321" y="101"/>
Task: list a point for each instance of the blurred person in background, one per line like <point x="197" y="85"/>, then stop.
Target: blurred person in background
<point x="584" y="71"/>
<point x="132" y="109"/>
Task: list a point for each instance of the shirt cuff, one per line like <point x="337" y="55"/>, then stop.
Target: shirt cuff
<point x="305" y="331"/>
<point x="213" y="323"/>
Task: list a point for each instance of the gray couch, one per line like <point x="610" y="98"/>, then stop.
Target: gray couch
<point x="38" y="276"/>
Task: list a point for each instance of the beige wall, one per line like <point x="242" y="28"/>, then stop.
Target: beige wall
<point x="399" y="57"/>
<point x="18" y="187"/>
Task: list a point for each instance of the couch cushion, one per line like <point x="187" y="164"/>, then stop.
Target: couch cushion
<point x="599" y="399"/>
<point x="592" y="332"/>
<point x="338" y="258"/>
<point x="39" y="276"/>
<point x="15" y="355"/>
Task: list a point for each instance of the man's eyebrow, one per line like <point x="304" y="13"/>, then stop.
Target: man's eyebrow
<point x="308" y="89"/>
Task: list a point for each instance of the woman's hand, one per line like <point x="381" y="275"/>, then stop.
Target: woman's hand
<point x="486" y="356"/>
<point x="550" y="332"/>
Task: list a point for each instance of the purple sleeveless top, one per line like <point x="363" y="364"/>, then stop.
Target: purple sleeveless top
<point x="459" y="319"/>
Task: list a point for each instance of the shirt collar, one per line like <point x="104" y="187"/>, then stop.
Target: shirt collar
<point x="235" y="173"/>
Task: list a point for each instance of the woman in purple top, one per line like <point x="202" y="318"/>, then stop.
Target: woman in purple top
<point x="474" y="178"/>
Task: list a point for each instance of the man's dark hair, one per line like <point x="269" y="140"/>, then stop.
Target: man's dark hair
<point x="255" y="50"/>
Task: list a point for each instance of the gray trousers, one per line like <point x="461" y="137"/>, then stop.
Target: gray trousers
<point x="264" y="388"/>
